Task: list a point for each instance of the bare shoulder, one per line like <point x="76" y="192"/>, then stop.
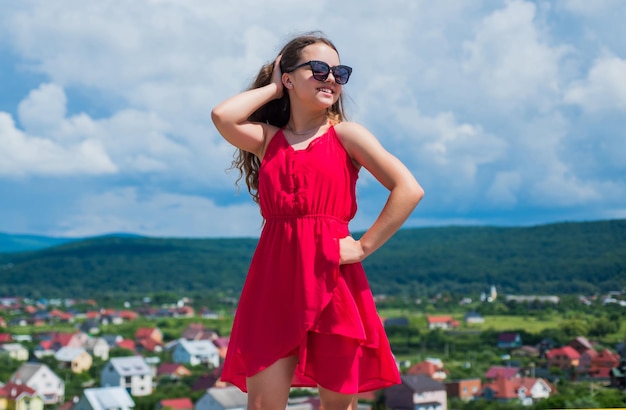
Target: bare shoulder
<point x="357" y="139"/>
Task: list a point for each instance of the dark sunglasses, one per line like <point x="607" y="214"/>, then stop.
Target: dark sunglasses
<point x="321" y="70"/>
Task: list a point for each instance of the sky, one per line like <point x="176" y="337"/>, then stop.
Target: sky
<point x="508" y="113"/>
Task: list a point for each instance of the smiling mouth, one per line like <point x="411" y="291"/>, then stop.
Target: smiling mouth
<point x="326" y="90"/>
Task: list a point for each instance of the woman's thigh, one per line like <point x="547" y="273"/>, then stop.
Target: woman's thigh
<point x="337" y="401"/>
<point x="269" y="388"/>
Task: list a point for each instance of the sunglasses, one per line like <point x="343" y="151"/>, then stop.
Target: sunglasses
<point x="321" y="70"/>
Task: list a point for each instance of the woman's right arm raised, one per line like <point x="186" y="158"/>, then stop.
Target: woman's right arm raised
<point x="231" y="116"/>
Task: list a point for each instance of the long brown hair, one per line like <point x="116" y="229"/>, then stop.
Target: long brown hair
<point x="276" y="112"/>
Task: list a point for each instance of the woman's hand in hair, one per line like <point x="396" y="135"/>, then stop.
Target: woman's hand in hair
<point x="277" y="77"/>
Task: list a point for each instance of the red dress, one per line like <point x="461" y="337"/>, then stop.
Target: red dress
<point x="297" y="299"/>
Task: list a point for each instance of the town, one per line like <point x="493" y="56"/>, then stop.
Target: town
<point x="76" y="354"/>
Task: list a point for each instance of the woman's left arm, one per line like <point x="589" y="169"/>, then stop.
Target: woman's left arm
<point x="404" y="191"/>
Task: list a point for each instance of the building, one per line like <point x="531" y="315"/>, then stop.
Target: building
<point x="15" y="351"/>
<point x="105" y="398"/>
<point x="525" y="389"/>
<point x="98" y="347"/>
<point x="223" y="398"/>
<point x="431" y="368"/>
<point x="19" y="396"/>
<point x="195" y="352"/>
<point x="75" y="358"/>
<point x="44" y="381"/>
<point x="565" y="358"/>
<point x="131" y="373"/>
<point x="509" y="340"/>
<point x="464" y="389"/>
<point x="441" y="322"/>
<point x="417" y="392"/>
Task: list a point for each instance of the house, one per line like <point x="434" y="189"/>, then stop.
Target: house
<point x="584" y="362"/>
<point x="131" y="373"/>
<point x="495" y="372"/>
<point x="62" y="339"/>
<point x="526" y="389"/>
<point x="581" y="344"/>
<point x="197" y="331"/>
<point x="98" y="347"/>
<point x="464" y="389"/>
<point x="148" y="345"/>
<point x="105" y="398"/>
<point x="396" y="322"/>
<point x="526" y="351"/>
<point x="127" y="344"/>
<point x="149" y="339"/>
<point x="441" y="322"/>
<point x="19" y="396"/>
<point x="223" y="398"/>
<point x="128" y="315"/>
<point x="509" y="340"/>
<point x="565" y="358"/>
<point x="206" y="381"/>
<point x="15" y="351"/>
<point x="153" y="333"/>
<point x="431" y="368"/>
<point x="473" y="318"/>
<point x="602" y="364"/>
<point x="184" y="403"/>
<point x="417" y="392"/>
<point x="75" y="358"/>
<point x="196" y="352"/>
<point x="40" y="378"/>
<point x="222" y="346"/>
<point x="44" y="349"/>
<point x="173" y="371"/>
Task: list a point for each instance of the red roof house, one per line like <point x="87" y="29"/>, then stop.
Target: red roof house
<point x="430" y="369"/>
<point x="441" y="322"/>
<point x="565" y="357"/>
<point x="175" y="404"/>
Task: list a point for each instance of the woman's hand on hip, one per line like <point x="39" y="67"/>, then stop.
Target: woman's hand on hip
<point x="350" y="251"/>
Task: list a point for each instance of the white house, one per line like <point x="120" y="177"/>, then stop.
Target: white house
<point x="223" y="398"/>
<point x="131" y="373"/>
<point x="15" y="351"/>
<point x="195" y="352"/>
<point x="105" y="398"/>
<point x="98" y="347"/>
<point x="40" y="378"/>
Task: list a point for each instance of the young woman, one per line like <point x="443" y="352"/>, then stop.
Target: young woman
<point x="306" y="315"/>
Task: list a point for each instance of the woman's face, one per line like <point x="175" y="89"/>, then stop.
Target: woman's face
<point x="306" y="88"/>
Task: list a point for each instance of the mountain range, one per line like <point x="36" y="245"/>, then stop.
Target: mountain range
<point x="559" y="258"/>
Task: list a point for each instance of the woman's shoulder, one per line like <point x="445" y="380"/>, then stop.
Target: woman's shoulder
<point x="350" y="133"/>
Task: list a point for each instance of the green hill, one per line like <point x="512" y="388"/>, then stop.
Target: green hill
<point x="19" y="243"/>
<point x="564" y="258"/>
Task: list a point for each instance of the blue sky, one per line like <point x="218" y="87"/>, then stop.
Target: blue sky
<point x="507" y="112"/>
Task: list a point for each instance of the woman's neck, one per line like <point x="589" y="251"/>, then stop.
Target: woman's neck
<point x="307" y="127"/>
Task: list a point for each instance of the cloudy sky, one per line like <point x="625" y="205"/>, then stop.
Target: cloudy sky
<point x="509" y="113"/>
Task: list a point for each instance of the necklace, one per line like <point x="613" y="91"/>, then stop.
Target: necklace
<point x="308" y="131"/>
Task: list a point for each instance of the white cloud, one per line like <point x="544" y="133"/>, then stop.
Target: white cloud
<point x="509" y="57"/>
<point x="603" y="89"/>
<point x="44" y="108"/>
<point x="476" y="97"/>
<point x="24" y="155"/>
<point x="158" y="214"/>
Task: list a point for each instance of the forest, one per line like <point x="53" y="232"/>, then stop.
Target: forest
<point x="560" y="258"/>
